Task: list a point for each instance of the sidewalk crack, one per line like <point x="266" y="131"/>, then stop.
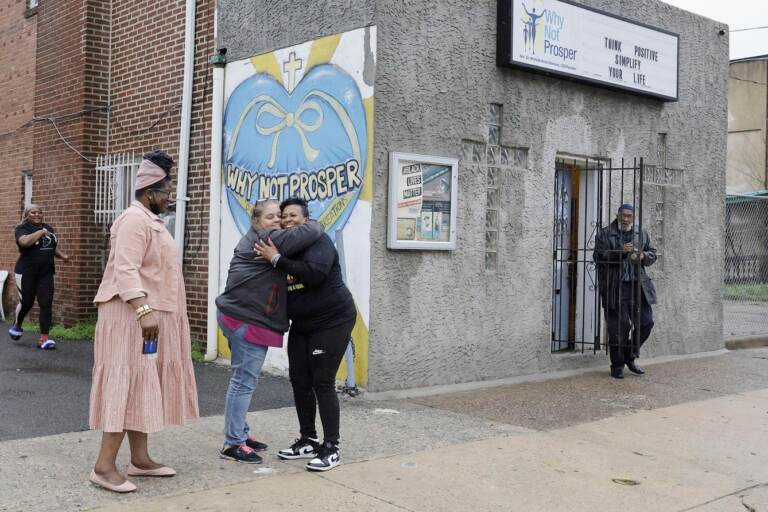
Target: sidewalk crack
<point x="349" y="487"/>
<point x="734" y="493"/>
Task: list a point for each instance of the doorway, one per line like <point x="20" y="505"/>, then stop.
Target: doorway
<point x="586" y="191"/>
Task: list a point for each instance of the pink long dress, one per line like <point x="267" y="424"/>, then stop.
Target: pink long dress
<point x="131" y="391"/>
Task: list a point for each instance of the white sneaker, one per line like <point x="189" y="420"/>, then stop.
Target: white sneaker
<point x="327" y="458"/>
<point x="302" y="448"/>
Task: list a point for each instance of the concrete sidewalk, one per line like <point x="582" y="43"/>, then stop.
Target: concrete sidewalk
<point x="690" y="435"/>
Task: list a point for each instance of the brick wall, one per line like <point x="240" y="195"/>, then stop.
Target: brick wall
<point x="61" y="175"/>
<point x="80" y="58"/>
<point x="17" y="71"/>
<point x="147" y="74"/>
<point x="196" y="239"/>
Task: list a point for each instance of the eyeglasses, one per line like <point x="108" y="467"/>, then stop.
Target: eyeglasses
<point x="171" y="195"/>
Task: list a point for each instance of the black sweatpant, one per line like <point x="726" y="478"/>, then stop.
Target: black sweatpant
<point x="313" y="359"/>
<point x="621" y="348"/>
<point x="31" y="286"/>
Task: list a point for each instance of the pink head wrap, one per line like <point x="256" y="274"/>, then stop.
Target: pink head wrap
<point x="148" y="174"/>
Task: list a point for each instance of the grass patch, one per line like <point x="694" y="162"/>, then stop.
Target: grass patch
<point x="81" y="331"/>
<point x="86" y="331"/>
<point x="198" y="351"/>
<point x="746" y="292"/>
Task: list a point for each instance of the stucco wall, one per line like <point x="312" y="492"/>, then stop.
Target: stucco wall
<point x="440" y="317"/>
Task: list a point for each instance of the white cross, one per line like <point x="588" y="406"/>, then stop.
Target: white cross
<point x="291" y="66"/>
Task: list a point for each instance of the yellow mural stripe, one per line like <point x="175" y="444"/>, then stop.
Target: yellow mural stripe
<point x="267" y="63"/>
<point x="334" y="211"/>
<point x="322" y="51"/>
<point x="366" y="194"/>
<point x="223" y="345"/>
<point x="360" y="338"/>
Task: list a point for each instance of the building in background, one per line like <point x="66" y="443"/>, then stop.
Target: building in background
<point x="500" y="135"/>
<point x="461" y="154"/>
<point x="18" y="36"/>
<point x="93" y="84"/>
<point x="747" y="169"/>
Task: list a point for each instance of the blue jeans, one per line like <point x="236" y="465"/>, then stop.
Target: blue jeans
<point x="247" y="360"/>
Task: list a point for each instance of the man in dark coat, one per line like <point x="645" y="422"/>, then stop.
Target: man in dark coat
<point x="621" y="255"/>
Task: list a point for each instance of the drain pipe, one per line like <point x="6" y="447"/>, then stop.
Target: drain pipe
<point x="186" y="121"/>
<point x="218" y="62"/>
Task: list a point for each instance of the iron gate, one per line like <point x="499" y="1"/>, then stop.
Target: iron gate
<point x="587" y="194"/>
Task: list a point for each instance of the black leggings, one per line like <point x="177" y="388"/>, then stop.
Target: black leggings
<point x="31" y="286"/>
<point x="313" y="359"/>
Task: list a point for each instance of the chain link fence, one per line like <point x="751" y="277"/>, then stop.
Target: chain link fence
<point x="745" y="277"/>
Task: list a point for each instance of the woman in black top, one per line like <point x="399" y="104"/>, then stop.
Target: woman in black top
<point x="34" y="270"/>
<point x="322" y="314"/>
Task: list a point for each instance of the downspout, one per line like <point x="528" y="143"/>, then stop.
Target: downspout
<point x="218" y="62"/>
<point x="186" y="121"/>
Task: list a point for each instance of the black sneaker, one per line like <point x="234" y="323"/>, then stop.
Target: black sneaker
<point x="327" y="458"/>
<point x="240" y="453"/>
<point x="255" y="445"/>
<point x="303" y="448"/>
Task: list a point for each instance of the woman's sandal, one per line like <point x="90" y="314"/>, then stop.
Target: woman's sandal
<point x="161" y="471"/>
<point x="122" y="488"/>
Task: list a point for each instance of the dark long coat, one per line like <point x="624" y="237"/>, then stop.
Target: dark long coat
<point x="609" y="256"/>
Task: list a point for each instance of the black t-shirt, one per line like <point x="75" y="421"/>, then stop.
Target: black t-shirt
<point x="317" y="295"/>
<point x="38" y="257"/>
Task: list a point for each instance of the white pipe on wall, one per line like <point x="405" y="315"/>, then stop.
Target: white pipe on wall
<point x="186" y="121"/>
<point x="214" y="208"/>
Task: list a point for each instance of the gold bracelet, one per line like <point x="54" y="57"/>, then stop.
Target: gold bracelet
<point x="143" y="310"/>
<point x="143" y="314"/>
<point x="143" y="307"/>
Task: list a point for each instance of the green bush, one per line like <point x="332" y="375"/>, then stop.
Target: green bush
<point x="81" y="331"/>
<point x="198" y="351"/>
<point x="86" y="331"/>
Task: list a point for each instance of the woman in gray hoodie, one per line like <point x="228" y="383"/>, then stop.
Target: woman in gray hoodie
<point x="252" y="314"/>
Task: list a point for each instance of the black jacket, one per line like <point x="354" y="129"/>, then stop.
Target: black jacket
<point x="317" y="295"/>
<point x="609" y="256"/>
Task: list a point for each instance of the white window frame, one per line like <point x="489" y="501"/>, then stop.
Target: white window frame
<point x="27" y="188"/>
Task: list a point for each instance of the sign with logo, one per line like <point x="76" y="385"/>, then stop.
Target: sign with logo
<point x="571" y="40"/>
<point x="298" y="122"/>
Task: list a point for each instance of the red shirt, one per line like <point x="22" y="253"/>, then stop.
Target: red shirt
<point x="253" y="333"/>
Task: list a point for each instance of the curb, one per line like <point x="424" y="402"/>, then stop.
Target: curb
<point x="746" y="342"/>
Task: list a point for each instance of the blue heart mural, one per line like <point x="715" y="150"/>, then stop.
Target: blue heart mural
<point x="311" y="142"/>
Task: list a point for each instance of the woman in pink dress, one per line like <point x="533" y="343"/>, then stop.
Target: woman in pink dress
<point x="141" y="300"/>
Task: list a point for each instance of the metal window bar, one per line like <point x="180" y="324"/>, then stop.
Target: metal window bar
<point x="585" y="193"/>
<point x="115" y="176"/>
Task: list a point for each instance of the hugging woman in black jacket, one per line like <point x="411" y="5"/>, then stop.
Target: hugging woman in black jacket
<point x="322" y="314"/>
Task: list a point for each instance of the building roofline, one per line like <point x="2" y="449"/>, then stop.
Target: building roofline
<point x="747" y="59"/>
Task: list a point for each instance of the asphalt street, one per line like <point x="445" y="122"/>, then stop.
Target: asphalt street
<point x="46" y="392"/>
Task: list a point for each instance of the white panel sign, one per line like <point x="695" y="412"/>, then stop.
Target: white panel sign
<point x="579" y="42"/>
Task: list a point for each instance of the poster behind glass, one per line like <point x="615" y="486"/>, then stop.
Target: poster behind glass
<point x="422" y="198"/>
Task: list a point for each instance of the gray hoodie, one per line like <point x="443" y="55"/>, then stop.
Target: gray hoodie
<point x="256" y="292"/>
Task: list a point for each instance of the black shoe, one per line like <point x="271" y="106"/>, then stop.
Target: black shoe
<point x="634" y="368"/>
<point x="302" y="448"/>
<point x="327" y="458"/>
<point x="255" y="445"/>
<point x="240" y="453"/>
<point x="617" y="373"/>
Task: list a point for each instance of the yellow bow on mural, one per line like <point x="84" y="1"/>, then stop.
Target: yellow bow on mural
<point x="288" y="120"/>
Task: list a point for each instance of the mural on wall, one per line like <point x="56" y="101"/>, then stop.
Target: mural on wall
<point x="299" y="122"/>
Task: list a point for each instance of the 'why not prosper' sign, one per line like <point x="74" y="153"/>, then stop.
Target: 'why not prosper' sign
<point x="559" y="37"/>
